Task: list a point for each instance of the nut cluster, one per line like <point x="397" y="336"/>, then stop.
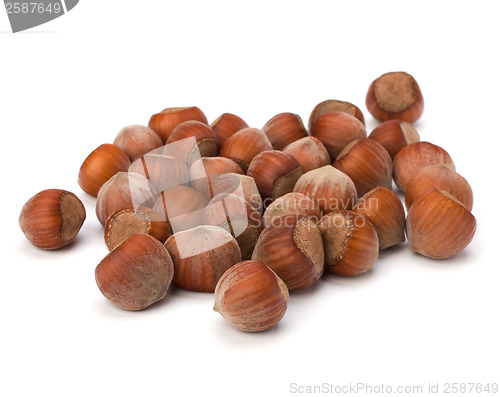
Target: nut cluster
<point x="254" y="214"/>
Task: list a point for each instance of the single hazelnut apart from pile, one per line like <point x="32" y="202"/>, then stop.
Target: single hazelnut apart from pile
<point x="329" y="188"/>
<point x="351" y="243"/>
<point x="100" y="165"/>
<point x="334" y="105"/>
<point x="136" y="274"/>
<point x="441" y="177"/>
<point x="384" y="210"/>
<point x="394" y="135"/>
<point x="292" y="247"/>
<point x="52" y="218"/>
<point x="163" y="123"/>
<point x="367" y="163"/>
<point x="438" y="225"/>
<point x="251" y="297"/>
<point x="395" y="95"/>
<point x="201" y="256"/>
<point x="125" y="222"/>
<point x="283" y="129"/>
<point x="415" y="156"/>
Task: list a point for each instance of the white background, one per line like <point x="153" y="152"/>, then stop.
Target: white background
<point x="70" y="85"/>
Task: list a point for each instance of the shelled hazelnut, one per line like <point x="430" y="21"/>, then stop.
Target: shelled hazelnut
<point x="395" y="95"/>
<point x="367" y="163"/>
<point x="283" y="129"/>
<point x="251" y="297"/>
<point x="309" y="152"/>
<point x="163" y="123"/>
<point x="136" y="274"/>
<point x="334" y="105"/>
<point x="52" y="218"/>
<point x="201" y="256"/>
<point x="100" y="165"/>
<point x="226" y="125"/>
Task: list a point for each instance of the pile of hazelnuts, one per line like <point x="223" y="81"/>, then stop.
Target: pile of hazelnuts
<point x="251" y="214"/>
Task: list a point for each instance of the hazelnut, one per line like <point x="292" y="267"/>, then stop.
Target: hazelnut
<point x="244" y="145"/>
<point x="333" y="105"/>
<point x="201" y="256"/>
<point x="336" y="129"/>
<point x="251" y="297"/>
<point x="275" y="173"/>
<point x="309" y="152"/>
<point x="162" y="171"/>
<point x="395" y="95"/>
<point x="438" y="225"/>
<point x="394" y="135"/>
<point x="122" y="190"/>
<point x="441" y="177"/>
<point x="351" y="243"/>
<point x="203" y="170"/>
<point x="205" y="137"/>
<point x="283" y="129"/>
<point x="241" y="185"/>
<point x="127" y="221"/>
<point x="292" y="247"/>
<point x="136" y="140"/>
<point x="292" y="204"/>
<point x="329" y="188"/>
<point x="163" y="123"/>
<point x="384" y="210"/>
<point x="226" y="125"/>
<point x="136" y="274"/>
<point x="367" y="163"/>
<point x="235" y="215"/>
<point x="52" y="218"/>
<point x="182" y="206"/>
<point x="100" y="165"/>
<point x="417" y="155"/>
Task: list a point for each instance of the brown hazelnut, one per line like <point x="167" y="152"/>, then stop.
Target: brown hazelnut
<point x="395" y="95"/>
<point x="275" y="173"/>
<point x="136" y="274"/>
<point x="244" y="145"/>
<point x="336" y="129"/>
<point x="329" y="188"/>
<point x="52" y="218"/>
<point x="127" y="221"/>
<point x="283" y="129"/>
<point x="417" y="155"/>
<point x="136" y="140"/>
<point x="241" y="185"/>
<point x="351" y="243"/>
<point x="235" y="215"/>
<point x="384" y="210"/>
<point x="205" y="137"/>
<point x="291" y="204"/>
<point x="226" y="125"/>
<point x="251" y="297"/>
<point x="438" y="225"/>
<point x="367" y="163"/>
<point x="394" y="135"/>
<point x="334" y="105"/>
<point x="292" y="247"/>
<point x="441" y="177"/>
<point x="163" y="123"/>
<point x="122" y="190"/>
<point x="100" y="165"/>
<point x="201" y="256"/>
<point x="309" y="152"/>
